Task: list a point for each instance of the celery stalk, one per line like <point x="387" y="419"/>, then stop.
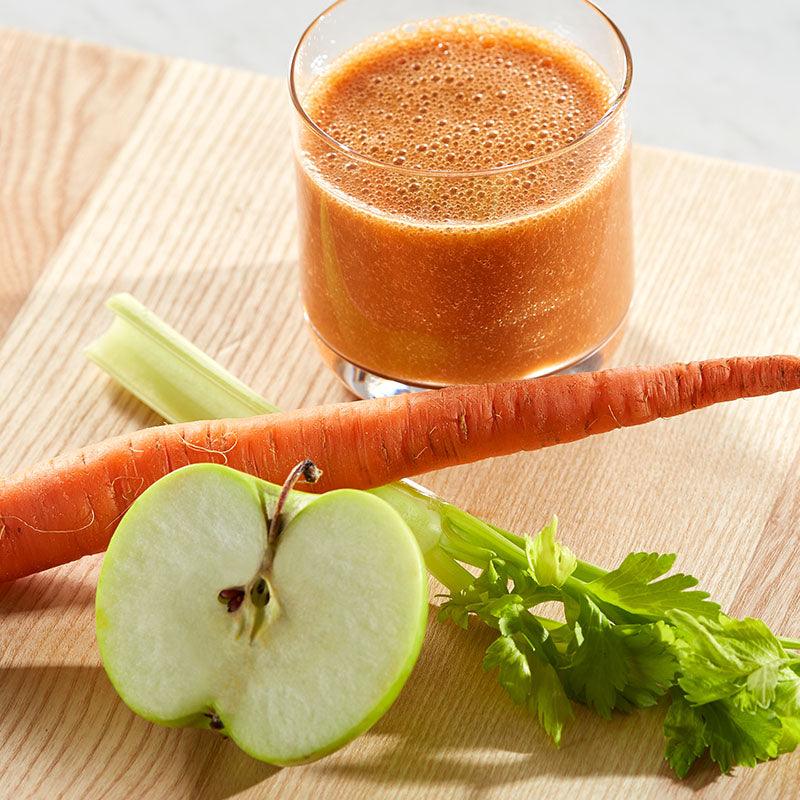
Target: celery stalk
<point x="166" y="371"/>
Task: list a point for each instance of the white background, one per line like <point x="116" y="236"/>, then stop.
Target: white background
<point x="719" y="77"/>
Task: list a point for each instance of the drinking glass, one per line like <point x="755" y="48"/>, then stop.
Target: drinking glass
<point x="414" y="278"/>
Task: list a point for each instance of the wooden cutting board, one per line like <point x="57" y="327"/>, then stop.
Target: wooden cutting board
<point x="173" y="181"/>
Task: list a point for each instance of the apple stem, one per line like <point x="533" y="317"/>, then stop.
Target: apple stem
<point x="258" y="592"/>
<point x="307" y="471"/>
<point x="310" y="473"/>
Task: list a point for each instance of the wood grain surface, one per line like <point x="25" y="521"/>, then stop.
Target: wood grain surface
<point x="173" y="180"/>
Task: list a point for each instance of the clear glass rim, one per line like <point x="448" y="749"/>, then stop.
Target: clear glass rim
<point x="610" y="113"/>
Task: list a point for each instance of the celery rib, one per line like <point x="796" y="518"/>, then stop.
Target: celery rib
<point x="166" y="371"/>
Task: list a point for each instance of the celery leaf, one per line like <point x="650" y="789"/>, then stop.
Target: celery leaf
<point x="737" y="737"/>
<point x="599" y="667"/>
<point x="728" y="658"/>
<point x="515" y="673"/>
<point x="685" y="730"/>
<point x="549" y="700"/>
<point x="633" y="588"/>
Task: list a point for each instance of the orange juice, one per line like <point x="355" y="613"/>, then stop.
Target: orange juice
<point x="464" y="217"/>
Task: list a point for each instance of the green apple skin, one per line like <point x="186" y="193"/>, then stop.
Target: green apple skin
<point x="344" y="624"/>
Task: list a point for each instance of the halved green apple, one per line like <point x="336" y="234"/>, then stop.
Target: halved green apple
<point x="291" y="656"/>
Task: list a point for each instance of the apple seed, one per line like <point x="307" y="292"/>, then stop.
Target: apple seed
<point x="260" y="593"/>
<point x="232" y="598"/>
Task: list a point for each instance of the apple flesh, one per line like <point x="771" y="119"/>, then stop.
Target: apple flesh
<point x="291" y="663"/>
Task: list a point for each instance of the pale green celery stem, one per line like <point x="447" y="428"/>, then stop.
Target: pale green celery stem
<point x="419" y="509"/>
<point x="464" y="529"/>
<point x="166" y="371"/>
<point x="182" y="384"/>
<point x="506" y="545"/>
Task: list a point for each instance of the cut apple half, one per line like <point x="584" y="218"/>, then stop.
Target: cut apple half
<point x="291" y="660"/>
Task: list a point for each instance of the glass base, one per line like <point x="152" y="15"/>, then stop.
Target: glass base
<point x="367" y="385"/>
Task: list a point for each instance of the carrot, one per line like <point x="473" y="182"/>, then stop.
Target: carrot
<point x="68" y="507"/>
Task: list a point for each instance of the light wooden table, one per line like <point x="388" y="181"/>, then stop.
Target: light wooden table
<point x="172" y="180"/>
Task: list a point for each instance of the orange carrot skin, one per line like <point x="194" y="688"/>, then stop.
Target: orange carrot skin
<point x="58" y="511"/>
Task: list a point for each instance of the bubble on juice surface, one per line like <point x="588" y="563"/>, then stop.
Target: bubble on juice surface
<point x="460" y="95"/>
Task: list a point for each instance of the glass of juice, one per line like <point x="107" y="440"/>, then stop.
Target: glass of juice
<point x="463" y="182"/>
